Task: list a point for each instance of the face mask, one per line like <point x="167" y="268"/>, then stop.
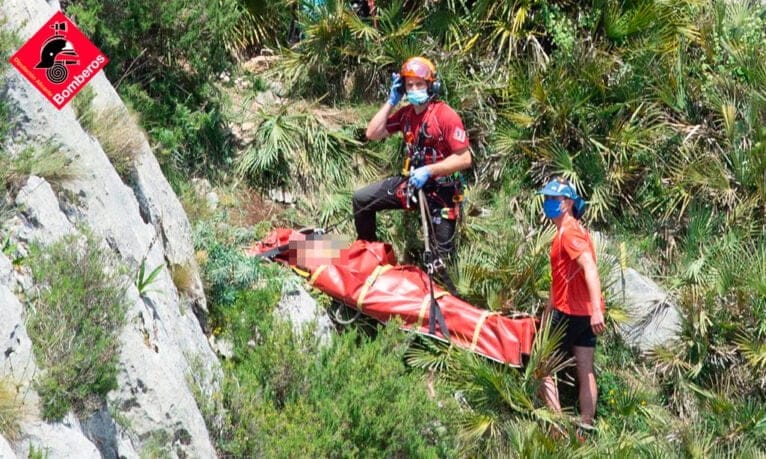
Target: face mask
<point x="552" y="208"/>
<point x="417" y="97"/>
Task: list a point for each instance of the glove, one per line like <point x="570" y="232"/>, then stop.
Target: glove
<point x="419" y="177"/>
<point x="395" y="96"/>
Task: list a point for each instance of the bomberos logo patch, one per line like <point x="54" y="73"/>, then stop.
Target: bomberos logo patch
<point x="59" y="60"/>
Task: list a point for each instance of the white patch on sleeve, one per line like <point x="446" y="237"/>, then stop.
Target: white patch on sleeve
<point x="459" y="135"/>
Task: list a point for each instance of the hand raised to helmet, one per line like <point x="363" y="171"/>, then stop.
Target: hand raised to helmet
<point x="395" y="95"/>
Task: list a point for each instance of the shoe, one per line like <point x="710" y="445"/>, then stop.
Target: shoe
<point x="583" y="432"/>
<point x="556" y="433"/>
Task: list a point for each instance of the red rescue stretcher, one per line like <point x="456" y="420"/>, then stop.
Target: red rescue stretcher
<point x="365" y="276"/>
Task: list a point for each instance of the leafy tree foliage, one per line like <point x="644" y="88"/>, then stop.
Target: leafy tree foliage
<point x="164" y="57"/>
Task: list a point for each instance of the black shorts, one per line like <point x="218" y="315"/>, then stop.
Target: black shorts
<point x="577" y="331"/>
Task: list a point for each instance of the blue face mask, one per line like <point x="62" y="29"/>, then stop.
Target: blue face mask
<point x="418" y="96"/>
<point x="552" y="208"/>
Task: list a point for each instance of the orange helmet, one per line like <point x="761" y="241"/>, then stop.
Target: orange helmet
<point x="419" y="67"/>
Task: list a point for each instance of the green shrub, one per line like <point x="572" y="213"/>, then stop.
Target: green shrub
<point x="354" y="398"/>
<point x="76" y="312"/>
<point x="164" y="59"/>
<point x="227" y="271"/>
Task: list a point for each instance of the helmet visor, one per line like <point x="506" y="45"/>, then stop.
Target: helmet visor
<point x="417" y="68"/>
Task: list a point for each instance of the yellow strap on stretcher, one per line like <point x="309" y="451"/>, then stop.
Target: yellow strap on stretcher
<point x="368" y="283"/>
<point x="316" y="274"/>
<point x="479" y="324"/>
<point x="426" y="302"/>
<point x="300" y="272"/>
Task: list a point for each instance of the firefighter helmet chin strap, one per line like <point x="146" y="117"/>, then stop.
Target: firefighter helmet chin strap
<point x="432" y="265"/>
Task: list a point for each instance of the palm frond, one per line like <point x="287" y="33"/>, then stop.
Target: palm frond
<point x="669" y="361"/>
<point x="298" y="145"/>
<point x="475" y="426"/>
<point x="619" y="24"/>
<point x="430" y="355"/>
<point x="360" y="29"/>
<point x="696" y="442"/>
<point x="508" y="272"/>
<point x="545" y="358"/>
<point x="752" y="349"/>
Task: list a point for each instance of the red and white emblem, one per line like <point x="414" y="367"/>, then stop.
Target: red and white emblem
<point x="59" y="60"/>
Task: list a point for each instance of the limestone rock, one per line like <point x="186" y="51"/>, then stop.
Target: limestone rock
<point x="163" y="347"/>
<point x="159" y="206"/>
<point x="45" y="221"/>
<point x="17" y="362"/>
<point x="301" y="310"/>
<point x="6" y="270"/>
<point x="259" y="64"/>
<point x="653" y="318"/>
<point x="61" y="440"/>
<point x="6" y="451"/>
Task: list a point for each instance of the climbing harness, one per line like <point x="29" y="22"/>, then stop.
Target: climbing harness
<point x="421" y="150"/>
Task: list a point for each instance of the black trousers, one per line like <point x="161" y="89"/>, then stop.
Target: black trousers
<point x="381" y="195"/>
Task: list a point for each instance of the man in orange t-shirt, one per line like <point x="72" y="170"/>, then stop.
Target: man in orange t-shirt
<point x="575" y="302"/>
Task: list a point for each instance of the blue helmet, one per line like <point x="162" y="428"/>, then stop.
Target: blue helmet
<point x="560" y="186"/>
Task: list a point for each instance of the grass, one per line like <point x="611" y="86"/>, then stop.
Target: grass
<point x="119" y="417"/>
<point x="49" y="162"/>
<point x="75" y="313"/>
<point x="184" y="277"/>
<point x="119" y="134"/>
<point x="11" y="410"/>
<point x="83" y="108"/>
<point x="156" y="446"/>
<point x="37" y="453"/>
<point x="120" y="137"/>
<point x="8" y="42"/>
<point x="144" y="280"/>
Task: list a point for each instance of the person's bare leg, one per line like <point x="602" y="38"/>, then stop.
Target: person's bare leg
<point x="550" y="393"/>
<point x="588" y="393"/>
<point x="430" y="384"/>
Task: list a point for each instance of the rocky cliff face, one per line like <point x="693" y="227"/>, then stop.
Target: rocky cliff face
<point x="163" y="353"/>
